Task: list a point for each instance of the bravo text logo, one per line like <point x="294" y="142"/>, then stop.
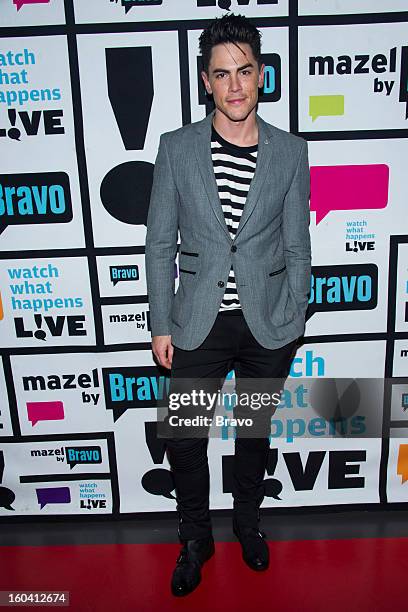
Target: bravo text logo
<point x="27" y="199"/>
<point x="134" y="387"/>
<point x="351" y="287"/>
<point x="73" y="455"/>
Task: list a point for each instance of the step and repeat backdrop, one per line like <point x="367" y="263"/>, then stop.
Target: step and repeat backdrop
<point x="86" y="89"/>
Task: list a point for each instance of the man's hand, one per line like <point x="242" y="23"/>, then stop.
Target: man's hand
<point x="163" y="350"/>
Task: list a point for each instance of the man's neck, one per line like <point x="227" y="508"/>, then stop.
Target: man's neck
<point x="242" y="133"/>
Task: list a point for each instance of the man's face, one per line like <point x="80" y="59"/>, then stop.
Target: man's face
<point x="233" y="79"/>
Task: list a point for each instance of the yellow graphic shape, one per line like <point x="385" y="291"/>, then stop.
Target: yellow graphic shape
<point x="326" y="106"/>
<point x="402" y="465"/>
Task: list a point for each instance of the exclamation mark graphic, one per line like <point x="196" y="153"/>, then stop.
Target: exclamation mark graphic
<point x="158" y="481"/>
<point x="273" y="486"/>
<point x="13" y="133"/>
<point x="130" y="88"/>
<point x="1" y="309"/>
<point x="40" y="333"/>
<point x="125" y="190"/>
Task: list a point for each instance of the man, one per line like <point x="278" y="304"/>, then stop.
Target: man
<point x="237" y="189"/>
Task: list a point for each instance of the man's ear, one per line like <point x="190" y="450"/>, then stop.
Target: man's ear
<point x="261" y="76"/>
<point x="207" y="85"/>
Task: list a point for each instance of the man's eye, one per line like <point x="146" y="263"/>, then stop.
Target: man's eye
<point x="220" y="74"/>
<point x="245" y="72"/>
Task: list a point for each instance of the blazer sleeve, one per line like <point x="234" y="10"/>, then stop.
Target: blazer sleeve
<point x="296" y="237"/>
<point x="161" y="242"/>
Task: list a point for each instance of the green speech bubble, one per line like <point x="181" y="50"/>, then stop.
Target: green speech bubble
<point x="326" y="106"/>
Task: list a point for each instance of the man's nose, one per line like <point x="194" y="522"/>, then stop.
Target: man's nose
<point x="235" y="83"/>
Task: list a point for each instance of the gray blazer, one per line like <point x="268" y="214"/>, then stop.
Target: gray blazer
<point x="270" y="253"/>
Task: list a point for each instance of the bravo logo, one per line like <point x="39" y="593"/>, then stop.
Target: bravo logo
<point x="351" y="287"/>
<point x="83" y="455"/>
<point x="74" y="455"/>
<point x="123" y="273"/>
<point x="134" y="387"/>
<point x="27" y="199"/>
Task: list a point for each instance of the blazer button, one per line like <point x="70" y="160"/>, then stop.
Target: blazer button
<point x="221" y="283"/>
<point x="233" y="248"/>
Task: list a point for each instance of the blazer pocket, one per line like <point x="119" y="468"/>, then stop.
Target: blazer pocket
<point x="187" y="271"/>
<point x="188" y="264"/>
<point x="277" y="271"/>
<point x="189" y="254"/>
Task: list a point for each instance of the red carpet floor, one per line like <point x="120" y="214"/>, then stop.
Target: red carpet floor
<point x="310" y="575"/>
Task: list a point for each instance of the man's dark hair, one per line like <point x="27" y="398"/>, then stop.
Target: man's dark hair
<point x="229" y="28"/>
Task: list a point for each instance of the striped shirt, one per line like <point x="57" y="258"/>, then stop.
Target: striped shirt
<point x="234" y="167"/>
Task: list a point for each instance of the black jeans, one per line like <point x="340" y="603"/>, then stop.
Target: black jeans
<point x="230" y="344"/>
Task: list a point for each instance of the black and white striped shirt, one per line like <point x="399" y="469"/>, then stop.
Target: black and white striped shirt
<point x="234" y="167"/>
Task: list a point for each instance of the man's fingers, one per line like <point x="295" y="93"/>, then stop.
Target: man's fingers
<point x="161" y="356"/>
<point x="163" y="350"/>
<point x="170" y="353"/>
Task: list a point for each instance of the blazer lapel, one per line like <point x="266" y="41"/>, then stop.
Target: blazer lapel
<point x="263" y="161"/>
<point x="203" y="154"/>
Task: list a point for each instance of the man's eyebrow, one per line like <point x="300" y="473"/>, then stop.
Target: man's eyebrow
<point x="249" y="65"/>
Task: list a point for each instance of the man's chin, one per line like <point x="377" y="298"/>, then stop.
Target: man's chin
<point x="235" y="114"/>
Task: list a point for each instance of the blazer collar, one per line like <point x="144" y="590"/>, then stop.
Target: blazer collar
<point x="203" y="154"/>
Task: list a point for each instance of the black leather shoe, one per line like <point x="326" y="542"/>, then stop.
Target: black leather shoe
<point x="187" y="574"/>
<point x="255" y="551"/>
